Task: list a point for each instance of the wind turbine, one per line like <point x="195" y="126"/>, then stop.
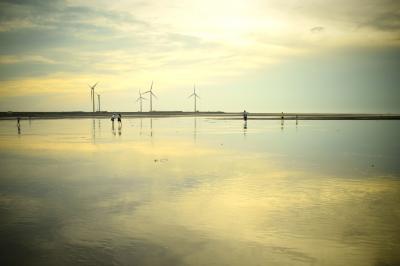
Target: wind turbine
<point x="92" y="95"/>
<point x="140" y="99"/>
<point x="98" y="101"/>
<point x="194" y="94"/>
<point x="151" y="96"/>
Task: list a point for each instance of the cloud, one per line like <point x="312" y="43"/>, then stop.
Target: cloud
<point x="128" y="43"/>
<point x="317" y="29"/>
<point x="56" y="14"/>
<point x="24" y="58"/>
<point x="389" y="21"/>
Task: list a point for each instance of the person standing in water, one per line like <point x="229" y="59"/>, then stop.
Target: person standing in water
<point x="112" y="122"/>
<point x="245" y="115"/>
<point x="119" y="119"/>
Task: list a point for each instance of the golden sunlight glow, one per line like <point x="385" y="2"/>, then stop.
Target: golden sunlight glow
<point x="127" y="44"/>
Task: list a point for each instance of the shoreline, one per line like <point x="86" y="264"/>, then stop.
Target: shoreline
<point x="216" y="115"/>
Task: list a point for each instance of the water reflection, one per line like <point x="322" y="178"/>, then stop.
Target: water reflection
<point x="66" y="201"/>
<point x="151" y="127"/>
<point x="18" y="126"/>
<point x="195" y="129"/>
<point x="112" y="124"/>
<point x="93" y="130"/>
<point x="119" y="129"/>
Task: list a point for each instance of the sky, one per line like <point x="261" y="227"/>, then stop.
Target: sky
<point x="262" y="56"/>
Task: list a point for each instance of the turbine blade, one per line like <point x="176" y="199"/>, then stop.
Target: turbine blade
<point x="191" y="95"/>
<point x="154" y="95"/>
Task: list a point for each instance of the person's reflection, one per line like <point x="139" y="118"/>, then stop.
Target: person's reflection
<point x="120" y="129"/>
<point x="18" y="126"/>
<point x="245" y="128"/>
<point x="113" y="129"/>
<point x="282" y="124"/>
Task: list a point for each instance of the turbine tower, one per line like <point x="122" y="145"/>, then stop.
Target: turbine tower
<point x="98" y="101"/>
<point x="92" y="95"/>
<point x="151" y="96"/>
<point x="194" y="94"/>
<point x="140" y="100"/>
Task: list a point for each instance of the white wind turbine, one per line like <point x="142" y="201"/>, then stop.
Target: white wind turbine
<point x="151" y="96"/>
<point x="140" y="100"/>
<point x="194" y="94"/>
<point x="92" y="95"/>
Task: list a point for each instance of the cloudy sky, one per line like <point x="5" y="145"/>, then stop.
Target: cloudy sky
<point x="262" y="56"/>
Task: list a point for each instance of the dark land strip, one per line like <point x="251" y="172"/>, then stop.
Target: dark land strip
<point x="217" y="115"/>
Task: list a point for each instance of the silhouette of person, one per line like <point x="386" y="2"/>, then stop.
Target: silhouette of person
<point x="112" y="119"/>
<point x="119" y="119"/>
<point x="245" y="115"/>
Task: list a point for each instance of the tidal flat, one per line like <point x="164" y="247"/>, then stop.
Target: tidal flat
<point x="199" y="191"/>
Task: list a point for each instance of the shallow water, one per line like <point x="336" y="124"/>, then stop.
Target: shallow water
<point x="199" y="191"/>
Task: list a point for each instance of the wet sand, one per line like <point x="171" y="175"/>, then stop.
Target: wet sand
<point x="199" y="191"/>
<point x="218" y="115"/>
